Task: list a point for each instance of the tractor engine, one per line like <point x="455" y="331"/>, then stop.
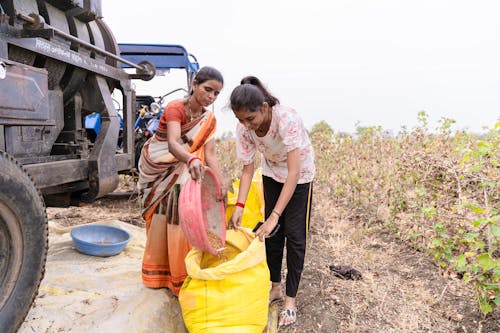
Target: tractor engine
<point x="60" y="63"/>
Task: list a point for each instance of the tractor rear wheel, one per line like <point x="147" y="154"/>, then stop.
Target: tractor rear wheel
<point x="23" y="243"/>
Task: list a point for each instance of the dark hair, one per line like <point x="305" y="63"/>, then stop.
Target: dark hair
<point x="208" y="73"/>
<point x="250" y="95"/>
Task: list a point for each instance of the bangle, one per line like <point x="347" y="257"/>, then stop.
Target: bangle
<point x="240" y="204"/>
<point x="191" y="159"/>
<point x="276" y="212"/>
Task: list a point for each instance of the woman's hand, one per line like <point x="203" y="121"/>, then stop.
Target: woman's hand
<point x="196" y="168"/>
<point x="235" y="221"/>
<point x="223" y="195"/>
<point x="268" y="226"/>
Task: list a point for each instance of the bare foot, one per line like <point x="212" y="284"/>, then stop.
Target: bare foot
<point x="276" y="294"/>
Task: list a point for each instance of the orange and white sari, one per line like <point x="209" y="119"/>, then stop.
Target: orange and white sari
<point x="161" y="175"/>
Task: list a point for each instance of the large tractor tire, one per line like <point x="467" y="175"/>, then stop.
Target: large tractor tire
<point x="23" y="243"/>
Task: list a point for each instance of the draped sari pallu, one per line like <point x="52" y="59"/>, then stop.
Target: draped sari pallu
<point x="160" y="177"/>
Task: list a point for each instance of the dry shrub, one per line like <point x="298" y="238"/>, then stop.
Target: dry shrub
<point x="438" y="191"/>
<point x="228" y="163"/>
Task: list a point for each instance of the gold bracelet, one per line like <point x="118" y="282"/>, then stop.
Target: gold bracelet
<point x="276" y="212"/>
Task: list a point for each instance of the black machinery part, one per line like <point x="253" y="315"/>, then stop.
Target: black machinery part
<point x="23" y="243"/>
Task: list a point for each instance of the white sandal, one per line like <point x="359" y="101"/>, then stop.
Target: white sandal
<point x="288" y="317"/>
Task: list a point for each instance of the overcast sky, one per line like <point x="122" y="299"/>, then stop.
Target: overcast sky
<point x="376" y="62"/>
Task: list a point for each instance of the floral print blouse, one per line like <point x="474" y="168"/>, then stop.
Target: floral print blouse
<point x="286" y="133"/>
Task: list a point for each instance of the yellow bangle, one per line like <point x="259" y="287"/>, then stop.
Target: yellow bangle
<point x="276" y="212"/>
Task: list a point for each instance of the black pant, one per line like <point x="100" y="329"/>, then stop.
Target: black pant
<point x="294" y="222"/>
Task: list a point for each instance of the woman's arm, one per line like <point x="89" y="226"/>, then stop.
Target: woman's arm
<point x="293" y="164"/>
<point x="245" y="182"/>
<point x="174" y="146"/>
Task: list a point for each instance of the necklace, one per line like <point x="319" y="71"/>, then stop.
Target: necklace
<point x="191" y="117"/>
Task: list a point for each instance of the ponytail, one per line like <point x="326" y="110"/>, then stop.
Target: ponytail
<point x="250" y="95"/>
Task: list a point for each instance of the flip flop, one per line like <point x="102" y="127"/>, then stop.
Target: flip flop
<point x="276" y="299"/>
<point x="288" y="317"/>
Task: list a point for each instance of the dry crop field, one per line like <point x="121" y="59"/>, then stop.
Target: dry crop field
<point x="416" y="213"/>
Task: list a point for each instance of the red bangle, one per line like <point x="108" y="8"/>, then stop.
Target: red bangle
<point x="191" y="159"/>
<point x="240" y="204"/>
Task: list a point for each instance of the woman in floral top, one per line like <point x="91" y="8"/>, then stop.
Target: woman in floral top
<point x="278" y="133"/>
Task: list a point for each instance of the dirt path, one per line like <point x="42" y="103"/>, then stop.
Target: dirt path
<point x="401" y="289"/>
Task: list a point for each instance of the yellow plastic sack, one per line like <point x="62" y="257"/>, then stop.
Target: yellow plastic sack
<point x="254" y="205"/>
<point x="228" y="294"/>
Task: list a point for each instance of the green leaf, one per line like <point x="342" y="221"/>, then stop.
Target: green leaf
<point x="495" y="229"/>
<point x="485" y="261"/>
<point x="483" y="147"/>
<point x="461" y="262"/>
<point x="437" y="242"/>
<point x="471" y="236"/>
<point x="478" y="210"/>
<point x="438" y="227"/>
<point x="429" y="211"/>
<point x="469" y="254"/>
<point x="485" y="306"/>
<point x="481" y="278"/>
<point x="476" y="168"/>
<point x="490" y="286"/>
<point x="497" y="301"/>
<point x="444" y="235"/>
<point x="479" y="244"/>
<point x="479" y="222"/>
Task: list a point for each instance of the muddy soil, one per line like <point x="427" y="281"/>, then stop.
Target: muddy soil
<point x="401" y="290"/>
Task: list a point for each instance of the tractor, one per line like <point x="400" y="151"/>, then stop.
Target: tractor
<point x="60" y="64"/>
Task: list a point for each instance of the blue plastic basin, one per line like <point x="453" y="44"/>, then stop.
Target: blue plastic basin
<point x="99" y="240"/>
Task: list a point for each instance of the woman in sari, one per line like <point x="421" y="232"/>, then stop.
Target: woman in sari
<point x="181" y="148"/>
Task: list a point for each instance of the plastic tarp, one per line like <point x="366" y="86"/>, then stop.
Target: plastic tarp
<point x="82" y="293"/>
